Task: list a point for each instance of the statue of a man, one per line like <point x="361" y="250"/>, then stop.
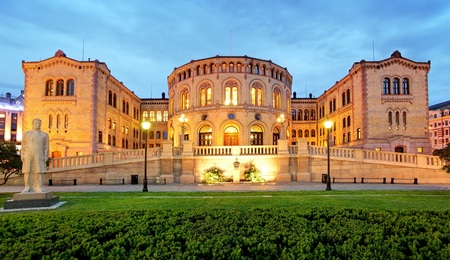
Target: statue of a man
<point x="34" y="156"/>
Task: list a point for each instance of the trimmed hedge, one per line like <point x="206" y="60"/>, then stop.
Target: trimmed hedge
<point x="319" y="233"/>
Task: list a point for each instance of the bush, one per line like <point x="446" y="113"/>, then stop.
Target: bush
<point x="213" y="175"/>
<point x="252" y="173"/>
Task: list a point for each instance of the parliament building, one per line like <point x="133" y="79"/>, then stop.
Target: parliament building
<point x="228" y="101"/>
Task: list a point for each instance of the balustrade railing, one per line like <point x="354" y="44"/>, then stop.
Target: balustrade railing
<point x="76" y="161"/>
<point x="212" y="150"/>
<point x="390" y="157"/>
<point x="258" y="150"/>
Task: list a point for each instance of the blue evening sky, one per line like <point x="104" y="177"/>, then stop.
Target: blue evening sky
<point x="143" y="41"/>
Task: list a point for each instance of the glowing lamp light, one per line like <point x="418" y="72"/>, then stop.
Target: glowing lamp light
<point x="183" y="118"/>
<point x="281" y="118"/>
<point x="145" y="125"/>
<point x="328" y="124"/>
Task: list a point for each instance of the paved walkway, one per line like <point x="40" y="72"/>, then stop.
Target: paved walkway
<point x="236" y="187"/>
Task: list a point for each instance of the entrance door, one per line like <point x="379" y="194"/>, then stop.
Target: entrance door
<point x="399" y="149"/>
<point x="231" y="136"/>
<point x="231" y="139"/>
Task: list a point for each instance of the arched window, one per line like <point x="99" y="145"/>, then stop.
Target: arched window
<point x="405" y="86"/>
<point x="343" y="99"/>
<point x="386" y="86"/>
<point x="49" y="88"/>
<point x="231" y="93"/>
<point x="50" y="121"/>
<point x="197" y="70"/>
<point x="184" y="99"/>
<point x="256" y="69"/>
<point x="404" y="118"/>
<point x="348" y="121"/>
<point x="306" y="114"/>
<point x="257" y="94"/>
<point x="152" y="135"/>
<point x="343" y="123"/>
<point x="313" y="133"/>
<point x="109" y="123"/>
<point x="60" y="88"/>
<point x="66" y="121"/>
<point x="70" y="90"/>
<point x="306" y="133"/>
<point x="205" y="136"/>
<point x="231" y="67"/>
<point x="145" y="115"/>
<point x="158" y="135"/>
<point x="205" y="95"/>
<point x="294" y="133"/>
<point x="224" y="67"/>
<point x="239" y="67"/>
<point x="293" y="114"/>
<point x="313" y="114"/>
<point x="300" y="114"/>
<point x="395" y="87"/>
<point x="300" y="133"/>
<point x="110" y="98"/>
<point x="397" y="118"/>
<point x="348" y="96"/>
<point x="390" y="118"/>
<point x="256" y="135"/>
<point x="277" y="98"/>
<point x="115" y="100"/>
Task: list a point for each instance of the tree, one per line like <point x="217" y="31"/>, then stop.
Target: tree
<point x="10" y="162"/>
<point x="444" y="154"/>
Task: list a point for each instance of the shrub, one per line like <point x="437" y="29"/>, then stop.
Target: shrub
<point x="213" y="175"/>
<point x="252" y="173"/>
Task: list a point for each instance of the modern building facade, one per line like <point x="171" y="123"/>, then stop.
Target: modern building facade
<point x="11" y="118"/>
<point x="229" y="101"/>
<point x="439" y="125"/>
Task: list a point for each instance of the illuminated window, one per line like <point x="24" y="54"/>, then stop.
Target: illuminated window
<point x="231" y="92"/>
<point x="185" y="99"/>
<point x="145" y="115"/>
<point x="224" y="67"/>
<point x="420" y="149"/>
<point x="231" y="67"/>
<point x="158" y="116"/>
<point x="277" y="98"/>
<point x="165" y="116"/>
<point x="205" y="95"/>
<point x="152" y="116"/>
<point x="257" y="94"/>
<point x="58" y="121"/>
<point x="50" y="121"/>
<point x="66" y="121"/>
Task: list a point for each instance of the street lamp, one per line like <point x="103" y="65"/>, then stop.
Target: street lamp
<point x="145" y="126"/>
<point x="328" y="124"/>
<point x="281" y="120"/>
<point x="183" y="119"/>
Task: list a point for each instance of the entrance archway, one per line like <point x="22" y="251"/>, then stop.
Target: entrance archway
<point x="256" y="135"/>
<point x="231" y="136"/>
<point x="276" y="135"/>
<point x="205" y="136"/>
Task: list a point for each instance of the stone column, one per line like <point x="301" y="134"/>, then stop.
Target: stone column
<point x="284" y="174"/>
<point x="187" y="163"/>
<point x="167" y="170"/>
<point x="303" y="173"/>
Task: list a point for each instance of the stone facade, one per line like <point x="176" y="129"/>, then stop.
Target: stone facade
<point x="229" y="100"/>
<point x="83" y="108"/>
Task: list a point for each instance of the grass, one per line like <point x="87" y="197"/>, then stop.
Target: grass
<point x="380" y="200"/>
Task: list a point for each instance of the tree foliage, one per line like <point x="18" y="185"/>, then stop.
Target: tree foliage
<point x="444" y="154"/>
<point x="10" y="162"/>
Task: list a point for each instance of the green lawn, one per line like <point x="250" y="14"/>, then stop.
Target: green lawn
<point x="233" y="225"/>
<point x="381" y="200"/>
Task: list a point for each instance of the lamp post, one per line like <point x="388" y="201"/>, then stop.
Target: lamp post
<point x="183" y="119"/>
<point x="281" y="120"/>
<point x="328" y="124"/>
<point x="145" y="126"/>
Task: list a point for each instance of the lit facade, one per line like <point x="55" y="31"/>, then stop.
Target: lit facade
<point x="83" y="108"/>
<point x="11" y="117"/>
<point x="439" y="125"/>
<point x="229" y="100"/>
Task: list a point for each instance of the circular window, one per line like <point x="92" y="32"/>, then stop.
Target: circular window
<point x="230" y="116"/>
<point x="257" y="116"/>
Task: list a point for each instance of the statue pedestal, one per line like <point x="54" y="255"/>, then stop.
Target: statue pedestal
<point x="31" y="200"/>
